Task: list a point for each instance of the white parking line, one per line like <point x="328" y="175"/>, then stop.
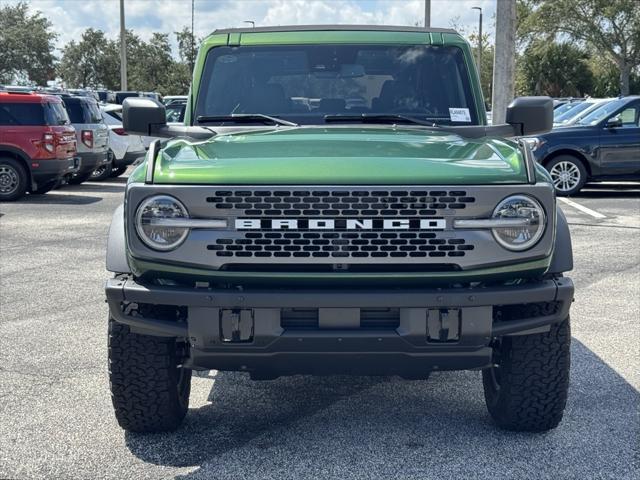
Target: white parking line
<point x="582" y="208"/>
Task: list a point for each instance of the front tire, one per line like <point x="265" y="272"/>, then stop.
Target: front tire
<point x="101" y="173"/>
<point x="117" y="171"/>
<point x="149" y="389"/>
<point x="568" y="174"/>
<point x="527" y="388"/>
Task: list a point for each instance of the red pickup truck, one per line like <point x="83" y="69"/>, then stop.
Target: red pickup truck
<point x="37" y="144"/>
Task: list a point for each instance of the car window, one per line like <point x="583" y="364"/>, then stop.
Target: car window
<point x="569" y="114"/>
<point x="303" y="83"/>
<point x="74" y="109"/>
<point x="21" y="114"/>
<point x="629" y="117"/>
<point x="55" y="114"/>
<point x="175" y="112"/>
<point x="563" y="109"/>
<point x="115" y="114"/>
<point x="601" y="113"/>
<point x="92" y="112"/>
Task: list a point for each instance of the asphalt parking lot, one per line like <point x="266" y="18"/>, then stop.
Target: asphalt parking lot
<point x="56" y="419"/>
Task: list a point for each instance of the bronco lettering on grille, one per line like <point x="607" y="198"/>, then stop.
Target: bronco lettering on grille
<point x="341" y="224"/>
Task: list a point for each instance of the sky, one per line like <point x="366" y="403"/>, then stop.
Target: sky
<point x="71" y="17"/>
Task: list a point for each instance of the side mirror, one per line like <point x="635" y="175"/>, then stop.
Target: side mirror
<point x="614" y="122"/>
<point x="148" y="117"/>
<point x="143" y="116"/>
<point x="530" y="115"/>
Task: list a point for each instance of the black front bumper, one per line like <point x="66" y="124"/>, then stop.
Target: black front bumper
<point x="437" y="329"/>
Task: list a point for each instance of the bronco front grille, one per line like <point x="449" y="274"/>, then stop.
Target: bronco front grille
<point x="342" y="202"/>
<point x="341" y="245"/>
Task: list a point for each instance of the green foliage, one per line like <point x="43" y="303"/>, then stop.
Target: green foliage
<point x="554" y="69"/>
<point x="609" y="27"/>
<point x="93" y="61"/>
<point x="26" y="46"/>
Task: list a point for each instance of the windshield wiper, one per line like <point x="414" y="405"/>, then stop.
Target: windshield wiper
<point x="378" y="118"/>
<point x="245" y="117"/>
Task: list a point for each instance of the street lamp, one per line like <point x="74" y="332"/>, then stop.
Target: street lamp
<point x="479" y="40"/>
<point x="253" y="24"/>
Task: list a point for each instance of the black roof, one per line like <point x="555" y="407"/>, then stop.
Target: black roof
<point x="321" y="28"/>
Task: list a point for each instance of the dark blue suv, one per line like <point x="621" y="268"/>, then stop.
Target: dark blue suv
<point x="604" y="145"/>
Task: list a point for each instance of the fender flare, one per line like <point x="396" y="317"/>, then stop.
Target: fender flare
<point x="562" y="258"/>
<point x="117" y="244"/>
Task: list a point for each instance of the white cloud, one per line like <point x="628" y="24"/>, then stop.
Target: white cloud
<point x="71" y="17"/>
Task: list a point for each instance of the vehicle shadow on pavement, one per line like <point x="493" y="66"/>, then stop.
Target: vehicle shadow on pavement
<point x="94" y="188"/>
<point x="319" y="427"/>
<point x="52" y="198"/>
<point x="597" y="190"/>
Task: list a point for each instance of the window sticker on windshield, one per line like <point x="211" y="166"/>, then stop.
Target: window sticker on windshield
<point x="459" y="115"/>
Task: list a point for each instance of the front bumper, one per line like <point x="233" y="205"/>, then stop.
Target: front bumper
<point x="437" y="329"/>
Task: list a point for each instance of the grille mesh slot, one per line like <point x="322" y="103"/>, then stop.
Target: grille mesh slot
<point x="340" y="245"/>
<point x="331" y="203"/>
<point x="370" y="318"/>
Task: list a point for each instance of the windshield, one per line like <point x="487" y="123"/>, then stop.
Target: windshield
<point x="305" y="83"/>
<point x="563" y="109"/>
<point x="569" y="114"/>
<point x="600" y="113"/>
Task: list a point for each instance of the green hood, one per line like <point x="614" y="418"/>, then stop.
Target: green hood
<point x="340" y="155"/>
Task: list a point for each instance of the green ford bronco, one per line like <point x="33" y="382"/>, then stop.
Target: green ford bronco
<point x="335" y="203"/>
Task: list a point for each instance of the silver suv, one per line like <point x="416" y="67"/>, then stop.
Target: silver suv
<point x="92" y="135"/>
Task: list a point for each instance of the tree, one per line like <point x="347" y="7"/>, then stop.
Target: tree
<point x="91" y="62"/>
<point x="187" y="47"/>
<point x="608" y="26"/>
<point x="554" y="69"/>
<point x="26" y="45"/>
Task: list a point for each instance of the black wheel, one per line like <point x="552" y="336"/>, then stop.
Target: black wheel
<point x="526" y="389"/>
<point x="80" y="178"/>
<point x="117" y="171"/>
<point x="101" y="173"/>
<point x="149" y="388"/>
<point x="13" y="179"/>
<point x="47" y="187"/>
<point x="568" y="174"/>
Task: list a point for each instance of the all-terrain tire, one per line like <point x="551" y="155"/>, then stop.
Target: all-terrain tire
<point x="149" y="390"/>
<point x="14" y="179"/>
<point x="528" y="389"/>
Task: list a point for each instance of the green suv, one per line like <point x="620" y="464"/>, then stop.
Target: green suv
<point x="336" y="203"/>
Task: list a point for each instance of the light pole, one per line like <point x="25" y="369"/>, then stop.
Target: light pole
<point x="193" y="38"/>
<point x="427" y="13"/>
<point x="253" y="24"/>
<point x="123" y="49"/>
<point x="479" y="40"/>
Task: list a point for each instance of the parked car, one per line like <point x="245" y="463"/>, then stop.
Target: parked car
<point x="582" y="108"/>
<point x="103" y="96"/>
<point x="91" y="133"/>
<point x="37" y="144"/>
<point x="276" y="240"/>
<point x="124" y="149"/>
<point x="604" y="145"/>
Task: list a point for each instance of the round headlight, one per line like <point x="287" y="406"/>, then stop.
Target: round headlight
<point x="153" y="222"/>
<point x="521" y="237"/>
